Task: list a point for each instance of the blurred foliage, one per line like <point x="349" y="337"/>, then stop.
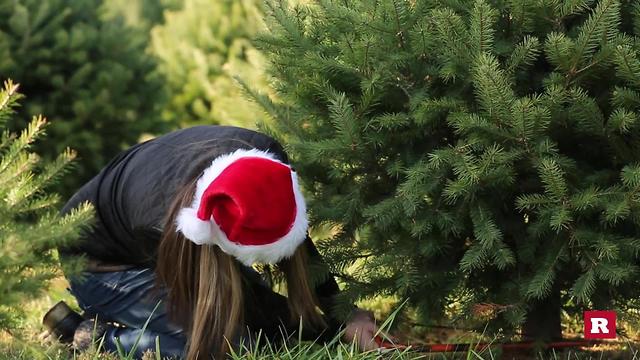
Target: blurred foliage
<point x="142" y="14"/>
<point x="201" y="48"/>
<point x="112" y="74"/>
<point x="87" y="71"/>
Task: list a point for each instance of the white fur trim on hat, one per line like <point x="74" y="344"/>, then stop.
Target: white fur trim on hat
<point x="209" y="233"/>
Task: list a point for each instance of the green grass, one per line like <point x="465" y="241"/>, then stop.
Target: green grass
<point x="26" y="344"/>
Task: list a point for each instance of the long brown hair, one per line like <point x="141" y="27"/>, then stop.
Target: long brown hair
<point x="204" y="285"/>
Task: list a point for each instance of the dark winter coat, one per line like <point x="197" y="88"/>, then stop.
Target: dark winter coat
<point x="132" y="194"/>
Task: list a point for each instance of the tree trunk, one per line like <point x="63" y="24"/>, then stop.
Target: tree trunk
<point x="544" y="319"/>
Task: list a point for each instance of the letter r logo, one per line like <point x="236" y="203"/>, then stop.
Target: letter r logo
<point x="599" y="324"/>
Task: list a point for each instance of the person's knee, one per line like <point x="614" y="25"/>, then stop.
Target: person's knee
<point x="171" y="346"/>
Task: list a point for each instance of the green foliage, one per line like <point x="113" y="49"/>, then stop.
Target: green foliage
<point x="142" y="14"/>
<point x="202" y="47"/>
<point x="30" y="227"/>
<point x="474" y="151"/>
<point x="87" y="71"/>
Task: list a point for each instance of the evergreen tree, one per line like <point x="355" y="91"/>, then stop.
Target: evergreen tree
<point x="30" y="227"/>
<point x="88" y="72"/>
<point x="201" y="48"/>
<point x="143" y="14"/>
<point x="468" y="152"/>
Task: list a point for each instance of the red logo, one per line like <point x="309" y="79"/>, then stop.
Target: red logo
<point x="599" y="324"/>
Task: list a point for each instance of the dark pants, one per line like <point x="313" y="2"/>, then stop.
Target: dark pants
<point x="129" y="298"/>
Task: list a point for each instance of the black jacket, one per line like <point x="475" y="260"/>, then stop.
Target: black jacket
<point x="132" y="194"/>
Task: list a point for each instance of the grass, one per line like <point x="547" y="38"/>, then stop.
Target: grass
<point x="27" y="344"/>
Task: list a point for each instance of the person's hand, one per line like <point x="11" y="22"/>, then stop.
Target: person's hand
<point x="361" y="329"/>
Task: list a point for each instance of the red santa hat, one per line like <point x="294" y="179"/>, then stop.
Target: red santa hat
<point x="250" y="205"/>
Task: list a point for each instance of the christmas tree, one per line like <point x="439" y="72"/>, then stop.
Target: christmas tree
<point x="30" y="227"/>
<point x="202" y="47"/>
<point x="468" y="155"/>
<point x="87" y="71"/>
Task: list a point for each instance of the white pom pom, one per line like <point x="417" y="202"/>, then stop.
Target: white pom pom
<point x="194" y="229"/>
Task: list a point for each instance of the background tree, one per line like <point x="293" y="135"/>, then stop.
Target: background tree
<point x="142" y="14"/>
<point x="468" y="152"/>
<point x="30" y="227"/>
<point x="87" y="71"/>
<point x="201" y="47"/>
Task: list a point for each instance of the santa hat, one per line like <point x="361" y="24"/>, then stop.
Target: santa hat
<point x="250" y="205"/>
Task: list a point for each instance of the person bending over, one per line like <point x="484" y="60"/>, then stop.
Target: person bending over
<point x="180" y="220"/>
